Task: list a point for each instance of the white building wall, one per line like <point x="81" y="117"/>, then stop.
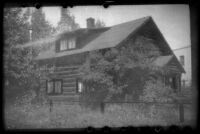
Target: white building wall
<point x="186" y="52"/>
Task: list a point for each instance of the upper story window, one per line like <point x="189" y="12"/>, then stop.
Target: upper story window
<point x="182" y="60"/>
<point x="63" y="45"/>
<point x="67" y="44"/>
<point x="71" y="44"/>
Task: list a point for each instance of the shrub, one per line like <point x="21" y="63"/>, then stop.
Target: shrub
<point x="157" y="91"/>
<point x="111" y="68"/>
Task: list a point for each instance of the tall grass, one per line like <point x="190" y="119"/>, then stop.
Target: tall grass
<point x="27" y="115"/>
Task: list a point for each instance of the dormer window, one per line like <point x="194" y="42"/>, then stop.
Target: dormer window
<point x="63" y="45"/>
<point x="71" y="44"/>
<point x="67" y="44"/>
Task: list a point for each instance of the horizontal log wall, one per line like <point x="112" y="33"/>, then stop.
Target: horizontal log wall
<point x="68" y="75"/>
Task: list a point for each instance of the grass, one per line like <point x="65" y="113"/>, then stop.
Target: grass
<point x="23" y="114"/>
<point x="73" y="116"/>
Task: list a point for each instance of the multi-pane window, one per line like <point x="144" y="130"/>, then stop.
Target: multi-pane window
<point x="67" y="44"/>
<point x="54" y="87"/>
<point x="182" y="60"/>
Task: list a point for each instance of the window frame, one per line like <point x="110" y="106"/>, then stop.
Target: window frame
<point x="71" y="44"/>
<point x="68" y="44"/>
<point x="65" y="43"/>
<point x="54" y="81"/>
<point x="47" y="88"/>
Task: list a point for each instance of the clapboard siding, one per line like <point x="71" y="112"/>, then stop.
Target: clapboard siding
<point x="68" y="75"/>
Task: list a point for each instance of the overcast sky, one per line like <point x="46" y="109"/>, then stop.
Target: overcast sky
<point x="172" y="20"/>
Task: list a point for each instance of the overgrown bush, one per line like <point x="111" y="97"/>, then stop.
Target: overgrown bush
<point x="111" y="69"/>
<point x="157" y="91"/>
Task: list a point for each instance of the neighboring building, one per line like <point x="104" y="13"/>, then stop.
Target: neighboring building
<point x="69" y="50"/>
<point x="184" y="56"/>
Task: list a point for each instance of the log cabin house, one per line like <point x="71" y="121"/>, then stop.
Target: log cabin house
<point x="68" y="50"/>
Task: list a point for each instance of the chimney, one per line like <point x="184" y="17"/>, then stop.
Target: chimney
<point x="90" y="22"/>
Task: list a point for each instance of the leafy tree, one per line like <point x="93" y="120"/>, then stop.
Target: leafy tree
<point x="112" y="70"/>
<point x="21" y="72"/>
<point x="67" y="22"/>
<point x="14" y="26"/>
<point x="99" y="24"/>
<point x="40" y="26"/>
<point x="14" y="33"/>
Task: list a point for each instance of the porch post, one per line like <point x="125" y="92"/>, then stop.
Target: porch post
<point x="180" y="83"/>
<point x="178" y="79"/>
<point x="164" y="78"/>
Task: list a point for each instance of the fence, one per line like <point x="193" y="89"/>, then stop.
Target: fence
<point x="179" y="105"/>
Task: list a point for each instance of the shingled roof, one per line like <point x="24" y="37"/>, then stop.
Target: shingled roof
<point x="99" y="38"/>
<point x="109" y="37"/>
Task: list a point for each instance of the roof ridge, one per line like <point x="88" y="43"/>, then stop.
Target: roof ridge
<point x="138" y="19"/>
<point x="56" y="35"/>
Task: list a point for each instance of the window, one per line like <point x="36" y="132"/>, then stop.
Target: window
<point x="54" y="87"/>
<point x="71" y="44"/>
<point x="58" y="87"/>
<point x="182" y="60"/>
<point x="63" y="45"/>
<point x="50" y="87"/>
<point x="79" y="86"/>
<point x="67" y="44"/>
